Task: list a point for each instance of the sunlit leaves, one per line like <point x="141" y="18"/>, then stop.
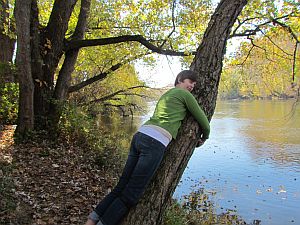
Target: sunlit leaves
<point x="7" y="19"/>
<point x="264" y="62"/>
<point x="152" y="19"/>
<point x="45" y="8"/>
<point x="262" y="71"/>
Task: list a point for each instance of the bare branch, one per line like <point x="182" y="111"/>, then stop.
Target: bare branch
<point x="114" y="94"/>
<point x="288" y="28"/>
<point x="98" y="77"/>
<point x="101" y="75"/>
<point x="274" y="21"/>
<point x="123" y="107"/>
<point x="234" y="32"/>
<point x="257" y="28"/>
<point x="173" y="23"/>
<point x="241" y="64"/>
<point x="294" y="62"/>
<point x="134" y="94"/>
<point x="265" y="51"/>
<point x="281" y="49"/>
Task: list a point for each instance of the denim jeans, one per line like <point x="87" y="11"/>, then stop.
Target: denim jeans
<point x="143" y="160"/>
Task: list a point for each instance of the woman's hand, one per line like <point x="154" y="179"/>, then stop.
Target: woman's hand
<point x="200" y="142"/>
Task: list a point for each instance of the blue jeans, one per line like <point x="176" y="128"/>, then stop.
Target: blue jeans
<point x="143" y="160"/>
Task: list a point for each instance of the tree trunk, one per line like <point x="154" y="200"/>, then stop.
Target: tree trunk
<point x="48" y="52"/>
<point x="25" y="116"/>
<point x="7" y="42"/>
<point x="7" y="47"/>
<point x="208" y="64"/>
<point x="64" y="77"/>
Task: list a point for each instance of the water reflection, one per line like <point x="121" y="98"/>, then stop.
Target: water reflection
<point x="272" y="128"/>
<point x="116" y="133"/>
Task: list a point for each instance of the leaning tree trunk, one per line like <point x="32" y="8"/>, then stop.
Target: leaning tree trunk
<point x="25" y="116"/>
<point x="208" y="64"/>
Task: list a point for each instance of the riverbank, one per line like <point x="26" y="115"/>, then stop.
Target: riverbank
<point x="45" y="183"/>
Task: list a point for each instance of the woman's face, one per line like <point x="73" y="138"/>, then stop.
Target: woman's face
<point x="186" y="84"/>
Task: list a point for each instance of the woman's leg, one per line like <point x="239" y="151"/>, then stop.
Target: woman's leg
<point x="131" y="162"/>
<point x="108" y="199"/>
<point x="150" y="154"/>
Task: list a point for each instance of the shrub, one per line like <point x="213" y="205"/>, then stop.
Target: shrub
<point x="9" y="93"/>
<point x="78" y="127"/>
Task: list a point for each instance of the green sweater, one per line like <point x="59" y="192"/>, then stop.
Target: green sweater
<point x="171" y="109"/>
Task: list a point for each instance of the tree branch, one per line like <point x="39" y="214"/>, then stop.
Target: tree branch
<point x="134" y="94"/>
<point x="98" y="77"/>
<point x="249" y="32"/>
<point x="247" y="56"/>
<point x="123" y="107"/>
<point x="289" y="29"/>
<point x="111" y="96"/>
<point x="294" y="62"/>
<point x="173" y="24"/>
<point x="281" y="49"/>
<point x="76" y="44"/>
<point x="64" y="77"/>
<point x="101" y="75"/>
<point x="107" y="97"/>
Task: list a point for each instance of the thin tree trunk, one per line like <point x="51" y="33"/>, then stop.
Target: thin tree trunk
<point x="25" y="116"/>
<point x="36" y="63"/>
<point x="208" y="64"/>
<point x="7" y="42"/>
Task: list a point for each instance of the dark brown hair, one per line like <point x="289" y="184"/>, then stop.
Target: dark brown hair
<point x="186" y="74"/>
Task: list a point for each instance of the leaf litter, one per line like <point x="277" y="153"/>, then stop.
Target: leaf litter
<point x="57" y="184"/>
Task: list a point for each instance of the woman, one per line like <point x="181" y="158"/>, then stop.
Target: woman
<point x="147" y="149"/>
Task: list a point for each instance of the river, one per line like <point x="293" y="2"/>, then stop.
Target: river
<point x="251" y="163"/>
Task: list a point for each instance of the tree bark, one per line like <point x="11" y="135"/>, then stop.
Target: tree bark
<point x="7" y="42"/>
<point x="25" y="116"/>
<point x="64" y="77"/>
<point x="208" y="64"/>
<point x="50" y="43"/>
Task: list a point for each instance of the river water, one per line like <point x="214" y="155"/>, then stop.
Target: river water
<point x="251" y="163"/>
